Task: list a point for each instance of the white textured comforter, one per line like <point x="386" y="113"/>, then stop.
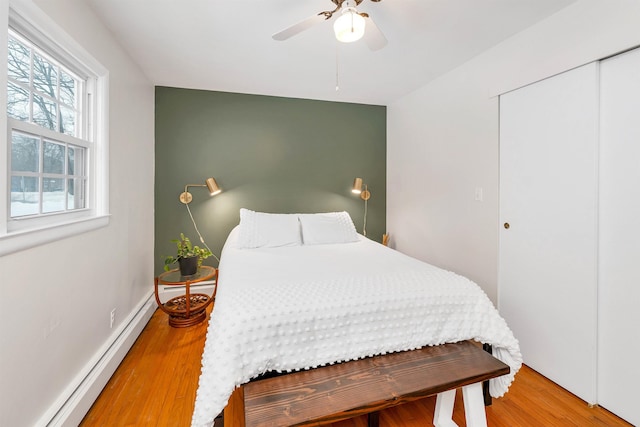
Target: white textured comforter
<point x="297" y="307"/>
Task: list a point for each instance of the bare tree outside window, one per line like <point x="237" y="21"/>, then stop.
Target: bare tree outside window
<point x="39" y="91"/>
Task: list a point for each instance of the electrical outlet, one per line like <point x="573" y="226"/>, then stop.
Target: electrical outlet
<point x="479" y="196"/>
<point x="113" y="318"/>
<point x="53" y="324"/>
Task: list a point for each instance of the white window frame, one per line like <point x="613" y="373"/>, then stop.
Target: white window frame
<point x="17" y="234"/>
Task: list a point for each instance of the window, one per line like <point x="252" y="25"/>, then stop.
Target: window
<point x="48" y="160"/>
<point x="56" y="109"/>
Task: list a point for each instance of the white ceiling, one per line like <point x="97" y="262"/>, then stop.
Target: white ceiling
<point x="227" y="45"/>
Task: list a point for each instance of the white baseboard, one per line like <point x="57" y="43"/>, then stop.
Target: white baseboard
<point x="76" y="400"/>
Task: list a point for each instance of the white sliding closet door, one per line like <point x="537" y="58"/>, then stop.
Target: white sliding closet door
<point x="548" y="196"/>
<point x="619" y="268"/>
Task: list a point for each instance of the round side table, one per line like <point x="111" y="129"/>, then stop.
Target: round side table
<point x="188" y="309"/>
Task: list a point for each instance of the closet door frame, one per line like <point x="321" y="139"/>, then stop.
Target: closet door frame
<point x="619" y="256"/>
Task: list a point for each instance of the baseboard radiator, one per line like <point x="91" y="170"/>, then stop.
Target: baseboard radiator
<point x="76" y="400"/>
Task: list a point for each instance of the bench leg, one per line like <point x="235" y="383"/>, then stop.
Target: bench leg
<point x="485" y="385"/>
<point x="474" y="405"/>
<point x="373" y="419"/>
<point x="442" y="416"/>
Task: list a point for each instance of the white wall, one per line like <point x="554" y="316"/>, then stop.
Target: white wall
<point x="57" y="298"/>
<point x="442" y="140"/>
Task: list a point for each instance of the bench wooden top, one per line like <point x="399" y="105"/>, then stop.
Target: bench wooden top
<point x="349" y="389"/>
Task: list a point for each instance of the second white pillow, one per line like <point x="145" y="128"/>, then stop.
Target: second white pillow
<point x="326" y="228"/>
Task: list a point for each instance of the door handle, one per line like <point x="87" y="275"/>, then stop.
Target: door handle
<point x="506" y="225"/>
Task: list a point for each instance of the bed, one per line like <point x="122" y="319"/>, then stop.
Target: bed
<point x="298" y="291"/>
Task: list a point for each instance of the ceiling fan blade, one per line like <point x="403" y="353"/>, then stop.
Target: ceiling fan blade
<point x="299" y="27"/>
<point x="373" y="36"/>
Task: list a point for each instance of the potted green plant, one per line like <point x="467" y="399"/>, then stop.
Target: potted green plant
<point x="188" y="256"/>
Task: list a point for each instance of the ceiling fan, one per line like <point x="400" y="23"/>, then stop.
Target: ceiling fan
<point x="348" y="27"/>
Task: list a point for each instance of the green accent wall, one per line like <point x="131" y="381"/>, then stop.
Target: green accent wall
<point x="268" y="154"/>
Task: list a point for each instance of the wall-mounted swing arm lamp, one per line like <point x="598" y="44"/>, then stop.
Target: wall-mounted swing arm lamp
<point x="363" y="191"/>
<point x="186" y="198"/>
<point x="358" y="189"/>
<point x="210" y="183"/>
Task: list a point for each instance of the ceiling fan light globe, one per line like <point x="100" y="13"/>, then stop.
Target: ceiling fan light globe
<point x="349" y="27"/>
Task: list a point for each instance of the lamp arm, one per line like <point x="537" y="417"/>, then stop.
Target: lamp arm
<point x="193" y="185"/>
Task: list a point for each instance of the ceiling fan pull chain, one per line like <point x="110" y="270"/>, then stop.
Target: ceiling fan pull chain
<point x="337" y="68"/>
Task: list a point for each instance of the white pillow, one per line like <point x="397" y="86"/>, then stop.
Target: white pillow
<point x="265" y="230"/>
<point x="324" y="228"/>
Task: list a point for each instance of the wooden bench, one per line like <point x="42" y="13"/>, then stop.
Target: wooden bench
<point x="336" y="392"/>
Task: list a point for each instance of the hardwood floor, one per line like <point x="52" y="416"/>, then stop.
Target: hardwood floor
<point x="157" y="381"/>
